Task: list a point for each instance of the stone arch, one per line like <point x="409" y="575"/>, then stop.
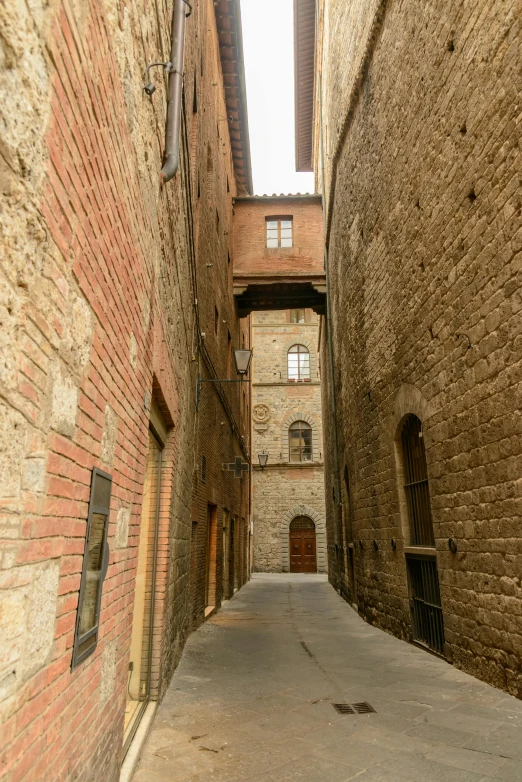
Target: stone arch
<point x="409" y="400"/>
<point x="299" y="340"/>
<point x="300" y="416"/>
<point x="320" y="535"/>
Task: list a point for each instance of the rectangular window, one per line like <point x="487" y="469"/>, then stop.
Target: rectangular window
<point x="95" y="564"/>
<point x="279" y="231"/>
<point x="203" y="469"/>
<point x="297" y="316"/>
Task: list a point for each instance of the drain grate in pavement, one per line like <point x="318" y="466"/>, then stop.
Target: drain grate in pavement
<point x="354" y="708"/>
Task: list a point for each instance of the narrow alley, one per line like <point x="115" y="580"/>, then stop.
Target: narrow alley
<point x="252" y="699"/>
<point x="260" y="390"/>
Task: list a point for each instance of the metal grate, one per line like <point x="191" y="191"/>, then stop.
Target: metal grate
<point x="416" y="483"/>
<point x="426" y="609"/>
<point x="363" y="708"/>
<point x="354" y="708"/>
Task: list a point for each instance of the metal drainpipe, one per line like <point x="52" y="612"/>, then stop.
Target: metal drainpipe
<point x="173" y="130"/>
<point x="333" y="399"/>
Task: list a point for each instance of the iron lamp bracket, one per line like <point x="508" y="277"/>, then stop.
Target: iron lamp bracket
<point x="149" y="87"/>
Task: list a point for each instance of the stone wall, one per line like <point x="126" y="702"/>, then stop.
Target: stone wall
<point x="424" y="235"/>
<point x="283" y="490"/>
<point x="98" y="316"/>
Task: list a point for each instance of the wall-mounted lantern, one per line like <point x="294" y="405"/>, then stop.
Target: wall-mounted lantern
<point x="263" y="459"/>
<point x="242" y="358"/>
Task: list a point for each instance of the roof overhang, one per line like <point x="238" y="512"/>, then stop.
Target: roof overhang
<point x="228" y="21"/>
<point x="304" y="71"/>
<point x="313" y="197"/>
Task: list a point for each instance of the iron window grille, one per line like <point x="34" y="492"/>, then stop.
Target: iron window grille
<point x="279" y="231"/>
<point x="425" y="603"/>
<point x="416" y="483"/>
<point x="94" y="570"/>
<point x="423" y="579"/>
<point x="298" y="364"/>
<point x="300" y="442"/>
<point x="203" y="469"/>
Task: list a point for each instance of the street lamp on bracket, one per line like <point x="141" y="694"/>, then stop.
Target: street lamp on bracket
<point x="263" y="459"/>
<point x="242" y="358"/>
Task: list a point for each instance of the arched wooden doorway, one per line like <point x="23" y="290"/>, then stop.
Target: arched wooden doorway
<point x="303" y="556"/>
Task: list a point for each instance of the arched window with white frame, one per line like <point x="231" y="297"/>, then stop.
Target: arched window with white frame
<point x="299" y="364"/>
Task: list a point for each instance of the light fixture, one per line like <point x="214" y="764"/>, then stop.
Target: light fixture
<point x="263" y="458"/>
<point x="243" y="358"/>
<point x="149" y="87"/>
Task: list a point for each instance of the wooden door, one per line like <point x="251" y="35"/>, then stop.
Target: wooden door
<point x="303" y="553"/>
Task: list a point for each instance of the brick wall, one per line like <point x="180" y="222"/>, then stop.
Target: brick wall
<point x="97" y="293"/>
<point x="283" y="491"/>
<point x="424" y="240"/>
<point x="251" y="254"/>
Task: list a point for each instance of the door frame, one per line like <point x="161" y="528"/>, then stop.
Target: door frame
<point x="320" y="536"/>
<point x="293" y="536"/>
<point x="153" y="430"/>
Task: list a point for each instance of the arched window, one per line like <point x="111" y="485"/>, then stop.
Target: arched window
<point x="423" y="578"/>
<point x="298" y="363"/>
<point x="300" y="442"/>
<point x="416" y="483"/>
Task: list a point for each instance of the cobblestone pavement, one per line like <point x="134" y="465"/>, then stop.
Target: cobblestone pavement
<point x="252" y="700"/>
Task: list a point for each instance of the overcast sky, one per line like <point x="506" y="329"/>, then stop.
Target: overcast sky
<point x="268" y="39"/>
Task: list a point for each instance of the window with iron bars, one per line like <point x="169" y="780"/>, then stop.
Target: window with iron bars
<point x="416" y="483"/>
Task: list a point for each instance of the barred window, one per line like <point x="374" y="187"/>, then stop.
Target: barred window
<point x="416" y="483"/>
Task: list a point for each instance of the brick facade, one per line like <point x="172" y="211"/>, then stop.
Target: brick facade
<point x="252" y="256"/>
<point x="421" y="158"/>
<point x="101" y="302"/>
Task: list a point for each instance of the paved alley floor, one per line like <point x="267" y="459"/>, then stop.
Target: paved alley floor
<point x="252" y="700"/>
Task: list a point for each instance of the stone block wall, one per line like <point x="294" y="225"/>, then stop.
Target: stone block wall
<point x="284" y="490"/>
<point x="97" y="317"/>
<point x="424" y="229"/>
